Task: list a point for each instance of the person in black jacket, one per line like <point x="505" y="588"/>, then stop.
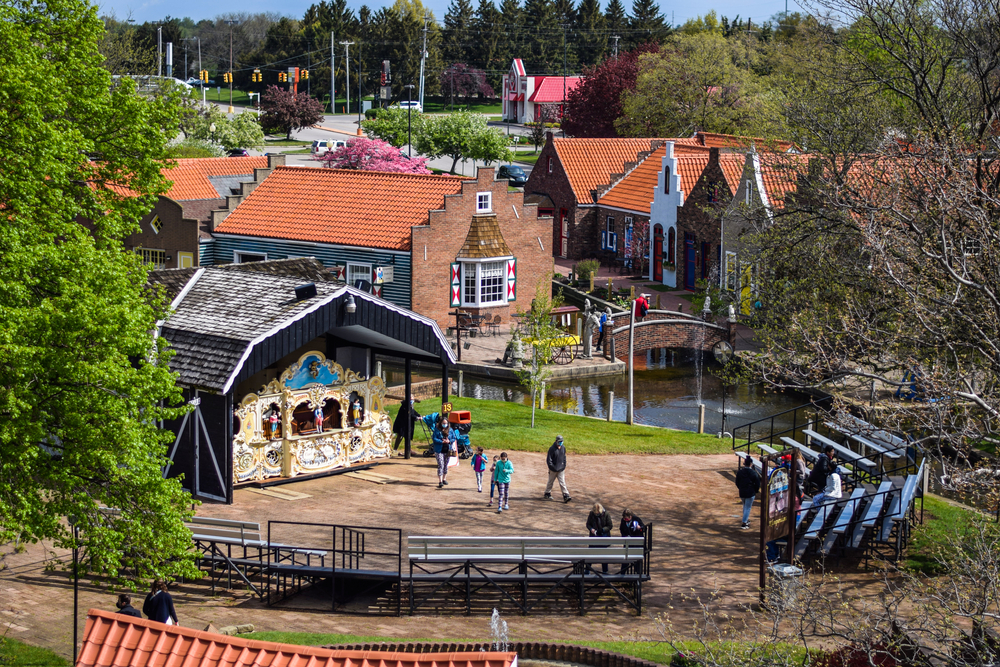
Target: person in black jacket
<point x="399" y="424"/>
<point x="630" y="526"/>
<point x="124" y="605"/>
<point x="159" y="606"/>
<point x="599" y="524"/>
<point x="748" y="484"/>
<point x="825" y="464"/>
<point x="556" y="460"/>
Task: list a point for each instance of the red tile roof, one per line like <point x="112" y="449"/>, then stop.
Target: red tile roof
<point x="190" y="176"/>
<point x="113" y="640"/>
<point x="715" y="140"/>
<point x="550" y="88"/>
<point x="635" y="191"/>
<point x="780" y="175"/>
<point x="732" y="165"/>
<point x="589" y="163"/>
<point x="341" y="206"/>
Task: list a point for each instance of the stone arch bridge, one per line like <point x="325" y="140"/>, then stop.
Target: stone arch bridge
<point x="666" y="328"/>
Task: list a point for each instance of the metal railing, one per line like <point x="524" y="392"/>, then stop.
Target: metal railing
<point x="799" y="422"/>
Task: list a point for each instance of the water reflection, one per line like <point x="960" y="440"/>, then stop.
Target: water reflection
<point x="666" y="394"/>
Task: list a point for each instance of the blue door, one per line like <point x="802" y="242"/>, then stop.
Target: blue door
<point x="689" y="263"/>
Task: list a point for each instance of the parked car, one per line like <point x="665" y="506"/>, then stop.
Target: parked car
<point x="327" y="145"/>
<point x="238" y="152"/>
<point x="413" y="105"/>
<point x="514" y="174"/>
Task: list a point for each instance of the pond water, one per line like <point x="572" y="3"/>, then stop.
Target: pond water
<point x="666" y="388"/>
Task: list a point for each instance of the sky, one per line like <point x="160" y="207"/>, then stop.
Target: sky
<point x="152" y="10"/>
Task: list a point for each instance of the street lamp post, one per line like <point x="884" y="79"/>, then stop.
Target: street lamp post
<point x="347" y="73"/>
<point x="231" y="22"/>
<point x="409" y="110"/>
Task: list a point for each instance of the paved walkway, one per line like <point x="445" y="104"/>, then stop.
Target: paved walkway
<point x="691" y="499"/>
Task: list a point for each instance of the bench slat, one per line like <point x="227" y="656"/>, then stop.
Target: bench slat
<point x="554" y="541"/>
<point x="875" y="506"/>
<point x="850" y="455"/>
<point x="230" y="523"/>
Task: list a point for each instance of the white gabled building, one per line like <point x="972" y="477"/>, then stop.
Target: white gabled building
<point x="522" y="93"/>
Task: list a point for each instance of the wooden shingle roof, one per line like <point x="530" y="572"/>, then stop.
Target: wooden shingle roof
<point x="484" y="239"/>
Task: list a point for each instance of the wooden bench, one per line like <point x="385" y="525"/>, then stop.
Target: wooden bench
<point x="506" y="562"/>
<point x="872" y="513"/>
<point x="862" y="440"/>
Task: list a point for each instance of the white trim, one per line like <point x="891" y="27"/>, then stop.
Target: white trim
<point x="187" y="288"/>
<point x="339" y="293"/>
<point x="478" y="278"/>
<point x="759" y="180"/>
<point x="238" y="260"/>
<point x="347" y="271"/>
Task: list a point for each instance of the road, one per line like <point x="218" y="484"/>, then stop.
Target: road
<point x="340" y="126"/>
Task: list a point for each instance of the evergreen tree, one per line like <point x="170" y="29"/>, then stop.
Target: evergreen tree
<point x="646" y="23"/>
<point x="545" y="38"/>
<point x="458" y="42"/>
<point x="616" y="23"/>
<point x="565" y="12"/>
<point x="488" y="37"/>
<point x="513" y="39"/>
<point x="591" y="40"/>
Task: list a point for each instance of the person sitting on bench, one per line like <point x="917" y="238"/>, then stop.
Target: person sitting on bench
<point x="630" y="526"/>
<point x="825" y="464"/>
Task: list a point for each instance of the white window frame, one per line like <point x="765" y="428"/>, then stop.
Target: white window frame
<point x="238" y="256"/>
<point x="156" y="224"/>
<point x="358" y="265"/>
<point x="484" y="202"/>
<point x="550" y="164"/>
<point x="478" y="265"/>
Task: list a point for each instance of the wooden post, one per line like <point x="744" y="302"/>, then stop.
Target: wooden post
<point x="630" y="415"/>
<point x="611" y="288"/>
<point x="445" y="384"/>
<point x="701" y="418"/>
<point x="591" y="282"/>
<point x="407" y="396"/>
<point x="631" y="292"/>
<point x="658" y="302"/>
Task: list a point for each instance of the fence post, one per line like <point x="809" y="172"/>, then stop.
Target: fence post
<point x="611" y="406"/>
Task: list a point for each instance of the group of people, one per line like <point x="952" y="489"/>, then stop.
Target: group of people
<point x="158" y="605"/>
<point x="823" y="482"/>
<point x="599" y="524"/>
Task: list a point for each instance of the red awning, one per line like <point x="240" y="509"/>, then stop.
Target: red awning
<point x="513" y="97"/>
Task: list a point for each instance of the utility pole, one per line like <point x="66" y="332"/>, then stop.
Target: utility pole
<point x="616" y="38"/>
<point x="423" y="57"/>
<point x="347" y="73"/>
<point x="231" y="22"/>
<point x="333" y="71"/>
<point x="159" y="52"/>
<point x="309" y="67"/>
<point x="563" y="116"/>
<point x="203" y="84"/>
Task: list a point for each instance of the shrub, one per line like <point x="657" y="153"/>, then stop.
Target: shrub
<point x="372" y="113"/>
<point x="586" y="268"/>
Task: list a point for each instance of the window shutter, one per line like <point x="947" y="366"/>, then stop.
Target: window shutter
<point x="604" y="240"/>
<point x="511" y="279"/>
<point x="613" y="241"/>
<point x="456" y="284"/>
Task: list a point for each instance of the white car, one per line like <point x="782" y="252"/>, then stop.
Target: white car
<point x="413" y="105"/>
<point x="324" y="147"/>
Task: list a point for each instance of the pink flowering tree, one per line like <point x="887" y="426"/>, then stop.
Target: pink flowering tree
<point x="374" y="155"/>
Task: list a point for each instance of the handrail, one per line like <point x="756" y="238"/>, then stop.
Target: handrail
<point x="772" y="434"/>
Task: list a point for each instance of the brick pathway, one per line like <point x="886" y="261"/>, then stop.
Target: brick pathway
<point x="691" y="499"/>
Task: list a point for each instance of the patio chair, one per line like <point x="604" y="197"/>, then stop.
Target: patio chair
<point x="494" y="326"/>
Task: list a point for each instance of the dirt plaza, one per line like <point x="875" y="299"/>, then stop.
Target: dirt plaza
<point x="691" y="501"/>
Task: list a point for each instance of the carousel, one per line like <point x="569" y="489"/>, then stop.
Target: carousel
<point x="316" y="417"/>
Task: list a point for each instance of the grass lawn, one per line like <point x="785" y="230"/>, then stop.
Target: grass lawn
<point x="214" y="94"/>
<point x="435" y="106"/>
<point x="13" y="652"/>
<point x="527" y="158"/>
<point x="281" y="141"/>
<point x="658" y="652"/>
<point x="500" y="425"/>
<point x="942" y="519"/>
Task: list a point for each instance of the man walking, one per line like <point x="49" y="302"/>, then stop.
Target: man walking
<point x="748" y="483"/>
<point x="556" y="461"/>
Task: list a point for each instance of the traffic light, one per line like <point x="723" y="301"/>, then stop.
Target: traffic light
<point x="256" y="76"/>
<point x="305" y="74"/>
<point x="227" y="77"/>
<point x="282" y="77"/>
<point x="203" y="75"/>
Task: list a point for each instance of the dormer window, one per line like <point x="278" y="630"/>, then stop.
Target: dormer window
<point x="550" y="165"/>
<point x="666" y="181"/>
<point x="484" y="202"/>
<point x="749" y="193"/>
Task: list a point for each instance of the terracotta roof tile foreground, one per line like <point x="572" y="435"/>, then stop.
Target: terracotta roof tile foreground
<point x="340" y="206"/>
<point x="589" y="163"/>
<point x="191" y="177"/>
<point x="113" y="640"/>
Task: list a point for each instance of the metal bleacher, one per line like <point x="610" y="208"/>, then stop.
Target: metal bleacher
<point x="880" y="483"/>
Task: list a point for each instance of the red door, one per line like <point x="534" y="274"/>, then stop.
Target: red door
<point x="658" y="254"/>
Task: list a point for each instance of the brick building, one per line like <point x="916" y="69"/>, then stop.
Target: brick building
<point x="173" y="233"/>
<point x="567" y="177"/>
<point x="425" y="242"/>
<point x="486" y="251"/>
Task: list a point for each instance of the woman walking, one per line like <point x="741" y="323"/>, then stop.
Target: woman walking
<point x="159" y="606"/>
<point x="503" y="472"/>
<point x="444" y="440"/>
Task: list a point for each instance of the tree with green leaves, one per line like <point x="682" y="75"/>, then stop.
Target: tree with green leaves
<point x="591" y="40"/>
<point x="284" y="111"/>
<point x="513" y="20"/>
<point x="391" y="125"/>
<point x="536" y="329"/>
<point x="487" y="47"/>
<point x="83" y="380"/>
<point x="544" y="46"/>
<point x="461" y="135"/>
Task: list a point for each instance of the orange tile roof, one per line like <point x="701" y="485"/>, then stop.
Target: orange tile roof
<point x="732" y="165"/>
<point x="635" y="191"/>
<point x="780" y="175"/>
<point x="715" y="140"/>
<point x="190" y="176"/>
<point x="341" y="206"/>
<point x="589" y="163"/>
<point x="114" y="640"/>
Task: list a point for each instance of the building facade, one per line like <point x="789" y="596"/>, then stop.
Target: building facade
<point x="524" y="95"/>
